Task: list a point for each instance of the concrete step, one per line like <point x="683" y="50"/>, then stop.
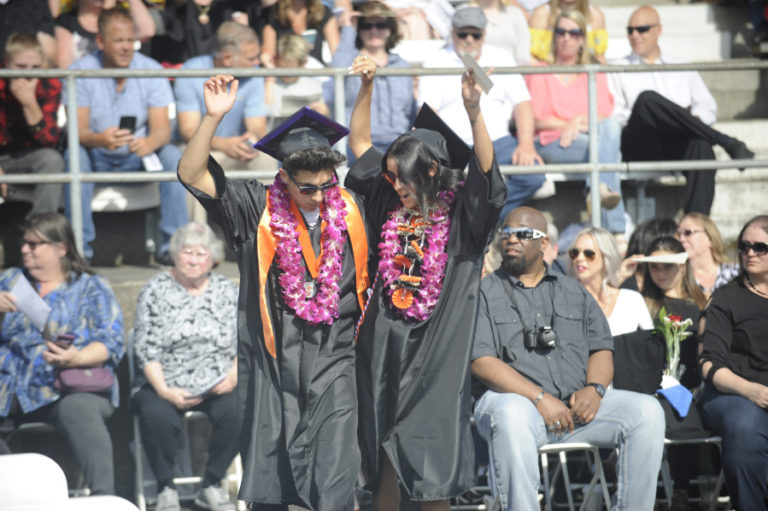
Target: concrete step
<point x="694" y="47"/>
<point x="739" y="94"/>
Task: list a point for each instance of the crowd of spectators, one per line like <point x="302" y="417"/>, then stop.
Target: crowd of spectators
<point x="126" y="124"/>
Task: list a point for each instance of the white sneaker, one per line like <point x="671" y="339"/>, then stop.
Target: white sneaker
<point x="168" y="500"/>
<point x="214" y="498"/>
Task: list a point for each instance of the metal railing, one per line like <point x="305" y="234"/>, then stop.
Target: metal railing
<point x="593" y="167"/>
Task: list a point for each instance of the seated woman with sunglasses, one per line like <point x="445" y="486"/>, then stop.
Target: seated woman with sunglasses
<point x="734" y="365"/>
<point x="595" y="260"/>
<point x="414" y="344"/>
<point x="560" y="110"/>
<point x="544" y="19"/>
<point x="706" y="252"/>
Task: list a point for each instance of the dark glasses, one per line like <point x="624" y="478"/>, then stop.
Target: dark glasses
<point x="390" y="176"/>
<point x="641" y="29"/>
<point x="574" y="32"/>
<point x="475" y="35"/>
<point x="759" y="248"/>
<point x="589" y="254"/>
<point x="521" y="233"/>
<point x="684" y="233"/>
<point x="312" y="189"/>
<point x="33" y="244"/>
<point x="367" y="25"/>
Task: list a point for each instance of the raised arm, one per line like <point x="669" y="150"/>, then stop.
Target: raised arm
<point x="220" y="93"/>
<point x="470" y="93"/>
<point x="360" y="122"/>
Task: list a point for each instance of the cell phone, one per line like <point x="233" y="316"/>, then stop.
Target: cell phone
<point x="64" y="340"/>
<point x="128" y="122"/>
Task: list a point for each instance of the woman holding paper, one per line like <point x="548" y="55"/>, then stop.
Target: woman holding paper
<point x="78" y="324"/>
<point x="185" y="348"/>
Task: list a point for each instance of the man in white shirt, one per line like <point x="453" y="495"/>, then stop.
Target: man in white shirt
<point x="509" y="96"/>
<point x="668" y="116"/>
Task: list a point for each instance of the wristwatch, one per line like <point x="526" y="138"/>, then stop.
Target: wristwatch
<point x="598" y="387"/>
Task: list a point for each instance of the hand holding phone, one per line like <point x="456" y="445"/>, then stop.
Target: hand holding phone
<point x="128" y="122"/>
<point x="64" y="341"/>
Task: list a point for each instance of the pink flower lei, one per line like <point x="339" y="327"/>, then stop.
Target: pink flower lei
<point x="402" y="254"/>
<point x="318" y="303"/>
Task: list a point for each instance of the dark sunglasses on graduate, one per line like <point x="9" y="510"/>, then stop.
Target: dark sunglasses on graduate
<point x="521" y="233"/>
<point x="312" y="189"/>
<point x="574" y="32"/>
<point x="390" y="176"/>
<point x="589" y="254"/>
<point x="475" y="35"/>
<point x="367" y="25"/>
<point x="759" y="248"/>
<point x="641" y="29"/>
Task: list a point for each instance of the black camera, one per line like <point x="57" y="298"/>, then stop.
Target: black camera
<point x="541" y="338"/>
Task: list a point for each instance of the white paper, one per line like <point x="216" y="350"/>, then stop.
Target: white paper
<point x="30" y="303"/>
<point x="480" y="77"/>
<point x="679" y="258"/>
<point x="152" y="163"/>
<point x="207" y="389"/>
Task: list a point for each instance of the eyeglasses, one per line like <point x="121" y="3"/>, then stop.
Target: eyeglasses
<point x="589" y="254"/>
<point x="390" y="176"/>
<point x="475" y="35"/>
<point x="187" y="252"/>
<point x="684" y="233"/>
<point x="641" y="29"/>
<point x="367" y="25"/>
<point x="574" y="32"/>
<point x="521" y="233"/>
<point x="759" y="248"/>
<point x="33" y="244"/>
<point x="313" y="189"/>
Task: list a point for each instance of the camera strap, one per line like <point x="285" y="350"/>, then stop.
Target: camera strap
<point x="507" y="285"/>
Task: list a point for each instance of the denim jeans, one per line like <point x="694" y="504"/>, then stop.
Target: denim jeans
<point x="744" y="429"/>
<point x="609" y="151"/>
<point x="520" y="187"/>
<point x="173" y="208"/>
<point x="514" y="430"/>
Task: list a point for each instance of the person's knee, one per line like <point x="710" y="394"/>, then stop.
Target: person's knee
<point x="649" y="97"/>
<point x="609" y="131"/>
<point x="78" y="411"/>
<point x="648" y="416"/>
<point x="511" y="418"/>
<point x="50" y="161"/>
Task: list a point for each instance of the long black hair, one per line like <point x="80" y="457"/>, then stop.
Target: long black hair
<point x="55" y="228"/>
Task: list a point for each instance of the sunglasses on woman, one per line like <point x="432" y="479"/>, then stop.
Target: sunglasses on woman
<point x="312" y="189"/>
<point x="759" y="248"/>
<point x="589" y="254"/>
<point x="390" y="176"/>
<point x="574" y="32"/>
<point x="379" y="25"/>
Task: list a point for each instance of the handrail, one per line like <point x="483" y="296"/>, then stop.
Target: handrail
<point x="338" y="75"/>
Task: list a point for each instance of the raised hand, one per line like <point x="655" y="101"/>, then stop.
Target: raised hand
<point x="220" y="93"/>
<point x="365" y="67"/>
<point x="470" y="90"/>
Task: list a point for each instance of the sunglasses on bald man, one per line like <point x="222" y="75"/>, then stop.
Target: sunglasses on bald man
<point x="521" y="233"/>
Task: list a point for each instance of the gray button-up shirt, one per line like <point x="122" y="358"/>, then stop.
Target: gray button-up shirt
<point x="558" y="301"/>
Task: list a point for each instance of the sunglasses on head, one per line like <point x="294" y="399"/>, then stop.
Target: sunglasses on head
<point x="759" y="248"/>
<point x="312" y="189"/>
<point x="574" y="32"/>
<point x="589" y="254"/>
<point x="684" y="233"/>
<point x="521" y="233"/>
<point x="464" y="34"/>
<point x="641" y="29"/>
<point x="367" y="25"/>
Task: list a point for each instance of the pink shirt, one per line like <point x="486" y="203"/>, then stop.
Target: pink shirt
<point x="551" y="98"/>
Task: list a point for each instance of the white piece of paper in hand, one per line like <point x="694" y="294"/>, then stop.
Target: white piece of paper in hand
<point x="152" y="163"/>
<point x="480" y="77"/>
<point x="30" y="302"/>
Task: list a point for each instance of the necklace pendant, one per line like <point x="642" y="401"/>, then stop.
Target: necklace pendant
<point x="310" y="289"/>
<point x="203" y="19"/>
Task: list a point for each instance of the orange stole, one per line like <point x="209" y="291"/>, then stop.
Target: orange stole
<point x="266" y="246"/>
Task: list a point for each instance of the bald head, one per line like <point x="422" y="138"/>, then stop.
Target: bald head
<point x="526" y="217"/>
<point x="643" y="31"/>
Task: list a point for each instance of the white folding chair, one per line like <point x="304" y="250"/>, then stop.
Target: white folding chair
<point x="31" y="482"/>
<point x="666" y="478"/>
<point x="561" y="450"/>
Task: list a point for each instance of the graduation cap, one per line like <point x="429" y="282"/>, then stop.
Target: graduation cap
<point x="446" y="146"/>
<point x="304" y="129"/>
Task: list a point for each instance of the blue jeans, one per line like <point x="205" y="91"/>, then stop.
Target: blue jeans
<point x="173" y="206"/>
<point x="744" y="429"/>
<point x="520" y="187"/>
<point x="515" y="430"/>
<point x="609" y="151"/>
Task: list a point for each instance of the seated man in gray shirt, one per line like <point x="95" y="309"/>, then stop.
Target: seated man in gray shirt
<point x="544" y="350"/>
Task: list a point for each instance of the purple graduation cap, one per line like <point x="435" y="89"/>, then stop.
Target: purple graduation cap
<point x="443" y="142"/>
<point x="304" y="129"/>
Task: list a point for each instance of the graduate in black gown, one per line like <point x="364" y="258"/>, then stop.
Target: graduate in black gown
<point x="302" y="252"/>
<point x="429" y="224"/>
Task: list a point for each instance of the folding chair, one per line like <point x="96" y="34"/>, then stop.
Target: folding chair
<point x="666" y="478"/>
<point x="598" y="475"/>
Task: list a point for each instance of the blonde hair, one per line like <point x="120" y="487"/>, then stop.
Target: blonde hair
<point x="581" y="5"/>
<point x="584" y="55"/>
<point x="22" y="41"/>
<point x="294" y="47"/>
<point x="717" y="247"/>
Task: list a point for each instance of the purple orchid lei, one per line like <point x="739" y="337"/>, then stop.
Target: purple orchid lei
<point x="433" y="264"/>
<point x="323" y="307"/>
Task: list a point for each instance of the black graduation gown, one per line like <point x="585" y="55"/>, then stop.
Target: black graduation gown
<point x="413" y="378"/>
<point x="299" y="410"/>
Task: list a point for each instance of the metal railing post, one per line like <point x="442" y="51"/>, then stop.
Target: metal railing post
<point x="339" y="106"/>
<point x="73" y="146"/>
<point x="593" y="147"/>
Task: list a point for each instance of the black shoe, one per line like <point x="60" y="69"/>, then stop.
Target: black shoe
<point x="738" y="150"/>
<point x="164" y="259"/>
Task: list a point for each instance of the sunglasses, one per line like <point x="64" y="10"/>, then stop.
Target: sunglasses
<point x="312" y="189"/>
<point x="759" y="248"/>
<point x="574" y="32"/>
<point x="367" y="25"/>
<point x="684" y="233"/>
<point x="34" y="244"/>
<point x="521" y="233"/>
<point x="475" y="35"/>
<point x="641" y="29"/>
<point x="390" y="176"/>
<point x="589" y="254"/>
